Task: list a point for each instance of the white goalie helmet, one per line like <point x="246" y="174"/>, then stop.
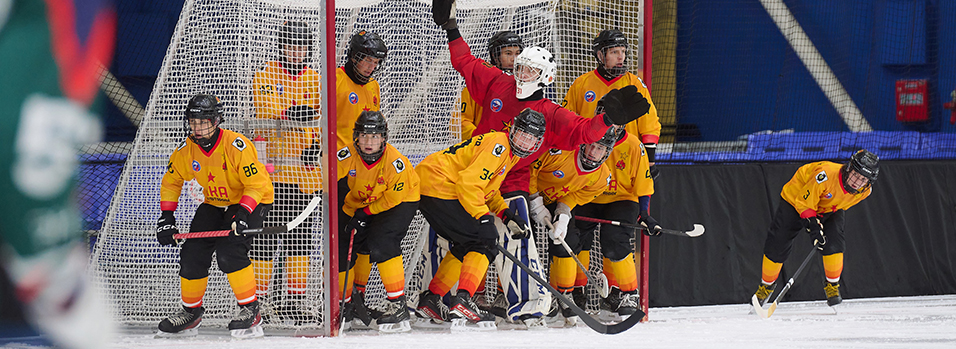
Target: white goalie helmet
<point x="534" y="69"/>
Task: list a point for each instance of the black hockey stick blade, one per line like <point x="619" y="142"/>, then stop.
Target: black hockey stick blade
<point x="593" y="323"/>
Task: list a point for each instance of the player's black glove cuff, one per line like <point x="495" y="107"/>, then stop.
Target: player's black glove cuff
<point x="518" y="227"/>
<point x="625" y="105"/>
<point x="651" y="227"/>
<point x="655" y="172"/>
<point x="240" y="222"/>
<point x="359" y="221"/>
<point x="165" y="228"/>
<point x="815" y="229"/>
<point x="486" y="228"/>
<point x="651" y="149"/>
<point x="443" y="13"/>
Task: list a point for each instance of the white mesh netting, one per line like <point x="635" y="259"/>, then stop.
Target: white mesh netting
<point x="219" y="45"/>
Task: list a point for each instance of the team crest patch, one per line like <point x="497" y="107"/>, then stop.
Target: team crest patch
<point x="496" y="105"/>
<point x="589" y="96"/>
<point x="279" y="89"/>
<point x="196" y="167"/>
<point x="239" y="144"/>
<point x="619" y="164"/>
<point x="558" y="173"/>
<point x="343" y="154"/>
<point x="353" y="98"/>
<point x="380" y="180"/>
<point x="554" y="151"/>
<point x="828" y="196"/>
<point x="399" y="165"/>
<point x="352" y="173"/>
<point x="821" y="177"/>
<point x="499" y="149"/>
<point x="502" y="172"/>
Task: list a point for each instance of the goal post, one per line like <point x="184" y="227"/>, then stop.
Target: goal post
<point x="221" y="46"/>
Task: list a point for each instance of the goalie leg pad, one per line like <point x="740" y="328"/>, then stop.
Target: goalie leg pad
<point x="525" y="296"/>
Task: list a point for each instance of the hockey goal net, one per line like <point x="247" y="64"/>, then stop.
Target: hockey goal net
<point x="219" y="45"/>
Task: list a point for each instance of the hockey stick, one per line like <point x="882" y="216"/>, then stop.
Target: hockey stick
<point x="345" y="284"/>
<point x="255" y="231"/>
<point x="698" y="229"/>
<point x="593" y="323"/>
<point x="765" y="313"/>
<point x="599" y="284"/>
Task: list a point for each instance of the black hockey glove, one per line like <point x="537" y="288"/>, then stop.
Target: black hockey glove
<point x="654" y="172"/>
<point x="301" y="113"/>
<point x="239" y="223"/>
<point x="624" y="105"/>
<point x="312" y="155"/>
<point x="165" y="229"/>
<point x="359" y="221"/>
<point x="487" y="229"/>
<point x="516" y="225"/>
<point x="815" y="229"/>
<point x="651" y="227"/>
<point x="443" y="12"/>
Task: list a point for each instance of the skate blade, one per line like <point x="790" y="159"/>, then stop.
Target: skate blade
<point x="400" y="327"/>
<point x="252" y="332"/>
<point x="463" y="325"/>
<point x="536" y="324"/>
<point x="192" y="332"/>
<point x="429" y="324"/>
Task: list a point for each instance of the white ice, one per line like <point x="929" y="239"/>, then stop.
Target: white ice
<point x="900" y="322"/>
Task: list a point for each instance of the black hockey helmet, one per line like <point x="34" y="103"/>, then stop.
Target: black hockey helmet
<point x="609" y="38"/>
<point x="203" y="106"/>
<point x="370" y="122"/>
<point x="501" y="40"/>
<point x="606" y="142"/>
<point x="295" y="33"/>
<point x="533" y="124"/>
<point x="866" y="164"/>
<point x="366" y="44"/>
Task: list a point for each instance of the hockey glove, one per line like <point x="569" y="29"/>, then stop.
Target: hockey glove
<point x="443" y="12"/>
<point x="651" y="227"/>
<point x="487" y="229"/>
<point x="624" y="105"/>
<point x="539" y="213"/>
<point x="359" y="221"/>
<point x="312" y="155"/>
<point x="165" y="229"/>
<point x="815" y="229"/>
<point x="240" y="223"/>
<point x="516" y="225"/>
<point x="300" y="113"/>
<point x="563" y="217"/>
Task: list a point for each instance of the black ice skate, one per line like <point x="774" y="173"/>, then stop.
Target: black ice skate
<point x="431" y="307"/>
<point x="183" y="323"/>
<point x="394" y="318"/>
<point x="833" y="293"/>
<point x="763" y="293"/>
<point x="464" y="311"/>
<point x="247" y="323"/>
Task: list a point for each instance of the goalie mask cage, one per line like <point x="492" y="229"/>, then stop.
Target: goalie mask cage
<point x="219" y="46"/>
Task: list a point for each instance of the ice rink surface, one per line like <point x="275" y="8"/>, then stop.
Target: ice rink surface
<point x="904" y="322"/>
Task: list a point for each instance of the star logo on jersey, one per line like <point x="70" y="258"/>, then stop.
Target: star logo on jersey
<point x="369" y="188"/>
<point x="353" y="98"/>
<point x="619" y="164"/>
<point x="590" y="96"/>
<point x="279" y="89"/>
<point x="196" y="167"/>
<point x="496" y="105"/>
<point x="352" y="173"/>
<point x="565" y="189"/>
<point x="558" y="173"/>
<point x="210" y="177"/>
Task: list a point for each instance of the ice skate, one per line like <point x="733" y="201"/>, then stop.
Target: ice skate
<point x="395" y="318"/>
<point x="430" y="306"/>
<point x="247" y="323"/>
<point x="833" y="293"/>
<point x="184" y="323"/>
<point x="464" y="313"/>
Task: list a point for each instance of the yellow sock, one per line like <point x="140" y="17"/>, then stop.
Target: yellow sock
<point x="446" y="276"/>
<point x="563" y="273"/>
<point x="609" y="273"/>
<point x="192" y="291"/>
<point x="342" y="282"/>
<point x="297" y="273"/>
<point x="580" y="279"/>
<point x="472" y="269"/>
<point x="769" y="271"/>
<point x="243" y="282"/>
<point x="362" y="270"/>
<point x="393" y="276"/>
<point x="626" y="273"/>
<point x="263" y="272"/>
<point x="833" y="266"/>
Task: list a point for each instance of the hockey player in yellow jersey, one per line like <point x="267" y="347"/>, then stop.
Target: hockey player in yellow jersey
<point x="355" y="86"/>
<point x="238" y="194"/>
<point x="286" y="95"/>
<point x="503" y="47"/>
<point x="628" y="192"/>
<point x="462" y="202"/>
<point x="611" y="49"/>
<point x="563" y="181"/>
<point x="378" y="197"/>
<point x="815" y="201"/>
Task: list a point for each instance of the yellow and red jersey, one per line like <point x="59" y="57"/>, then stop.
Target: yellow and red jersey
<point x="557" y="176"/>
<point x="350" y="100"/>
<point x="818" y="188"/>
<point x="588" y="89"/>
<point x="470" y="114"/>
<point x="380" y="186"/>
<point x="277" y="89"/>
<point x="470" y="172"/>
<point x="229" y="173"/>
<point x="630" y="172"/>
